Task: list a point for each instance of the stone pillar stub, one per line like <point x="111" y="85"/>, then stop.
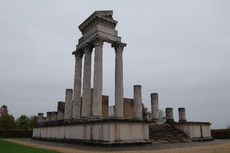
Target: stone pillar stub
<point x="154" y="107"/>
<point x="48" y="116"/>
<point x="54" y="116"/>
<point x="40" y="117"/>
<point x="60" y="110"/>
<point x="68" y="104"/>
<point x="182" y="116"/>
<point x="91" y="102"/>
<point x="86" y="93"/>
<point x="77" y="85"/>
<point x="105" y="106"/>
<point x="169" y="114"/>
<point x="137" y="102"/>
<point x="97" y="81"/>
<point x="43" y="119"/>
<point x="119" y="104"/>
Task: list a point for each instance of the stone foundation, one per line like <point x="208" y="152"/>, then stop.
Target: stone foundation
<point x="197" y="131"/>
<point x="101" y="131"/>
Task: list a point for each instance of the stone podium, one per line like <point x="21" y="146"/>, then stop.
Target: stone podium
<point x="84" y="120"/>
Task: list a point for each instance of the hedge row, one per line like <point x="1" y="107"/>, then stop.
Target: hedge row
<point x="15" y="133"/>
<point x="221" y="134"/>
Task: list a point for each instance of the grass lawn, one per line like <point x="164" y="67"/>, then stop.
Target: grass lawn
<point x="9" y="147"/>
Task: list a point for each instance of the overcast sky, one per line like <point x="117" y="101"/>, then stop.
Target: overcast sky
<point x="180" y="49"/>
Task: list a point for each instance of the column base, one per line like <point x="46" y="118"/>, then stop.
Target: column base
<point x="140" y="119"/>
<point x="182" y="120"/>
<point x="96" y="118"/>
<point x="76" y="119"/>
<point x="155" y="120"/>
<point x="170" y="121"/>
<point x="85" y="118"/>
<point x="118" y="117"/>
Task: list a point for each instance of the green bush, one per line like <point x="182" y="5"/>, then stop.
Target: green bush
<point x="22" y="122"/>
<point x="7" y="122"/>
<point x="26" y="122"/>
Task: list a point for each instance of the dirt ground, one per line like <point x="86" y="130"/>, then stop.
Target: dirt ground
<point x="216" y="146"/>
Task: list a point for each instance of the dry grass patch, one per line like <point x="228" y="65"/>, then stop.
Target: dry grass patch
<point x="221" y="148"/>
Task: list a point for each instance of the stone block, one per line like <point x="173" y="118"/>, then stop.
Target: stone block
<point x="103" y="132"/>
<point x="128" y="108"/>
<point x="60" y="110"/>
<point x="105" y="106"/>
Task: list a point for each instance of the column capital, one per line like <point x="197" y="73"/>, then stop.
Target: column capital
<point x="119" y="46"/>
<point x="88" y="48"/>
<point x="98" y="41"/>
<point x="154" y="95"/>
<point x="78" y="54"/>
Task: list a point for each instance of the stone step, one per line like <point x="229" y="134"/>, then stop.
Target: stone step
<point x="165" y="133"/>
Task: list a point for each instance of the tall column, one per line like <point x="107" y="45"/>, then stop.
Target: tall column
<point x="182" y="116"/>
<point x="77" y="86"/>
<point x="97" y="82"/>
<point x="169" y="115"/>
<point x="119" y="110"/>
<point x="137" y="102"/>
<point x="86" y="83"/>
<point x="68" y="104"/>
<point x="154" y="107"/>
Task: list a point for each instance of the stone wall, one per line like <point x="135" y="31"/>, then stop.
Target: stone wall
<point x="111" y="132"/>
<point x="195" y="130"/>
<point x="220" y="133"/>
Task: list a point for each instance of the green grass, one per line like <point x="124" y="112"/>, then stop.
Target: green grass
<point x="8" y="147"/>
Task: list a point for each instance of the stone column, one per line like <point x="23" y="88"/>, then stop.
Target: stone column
<point x="77" y="86"/>
<point x="40" y="117"/>
<point x="86" y="83"/>
<point x="54" y="116"/>
<point x="154" y="107"/>
<point x="137" y="102"/>
<point x="169" y="115"/>
<point x="68" y="104"/>
<point x="119" y="110"/>
<point x="97" y="82"/>
<point x="60" y="110"/>
<point x="91" y="102"/>
<point x="43" y="119"/>
<point x="182" y="116"/>
<point x="48" y="116"/>
<point x="105" y="106"/>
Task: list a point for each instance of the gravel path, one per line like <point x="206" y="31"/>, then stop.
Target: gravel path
<point x="82" y="148"/>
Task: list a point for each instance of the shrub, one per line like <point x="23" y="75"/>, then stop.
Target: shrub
<point x="7" y="122"/>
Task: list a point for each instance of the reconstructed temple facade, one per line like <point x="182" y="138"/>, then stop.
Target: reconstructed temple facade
<point x="85" y="114"/>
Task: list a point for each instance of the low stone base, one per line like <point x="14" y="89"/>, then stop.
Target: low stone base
<point x="197" y="131"/>
<point x="99" y="132"/>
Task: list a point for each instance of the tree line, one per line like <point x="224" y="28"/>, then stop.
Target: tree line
<point x="23" y="122"/>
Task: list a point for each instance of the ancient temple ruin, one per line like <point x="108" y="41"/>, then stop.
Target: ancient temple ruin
<point x="85" y="114"/>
